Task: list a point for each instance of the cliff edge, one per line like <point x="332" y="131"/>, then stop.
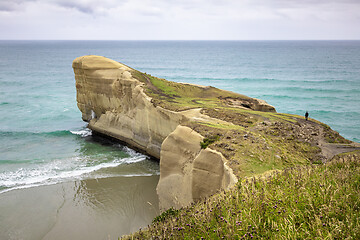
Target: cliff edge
<point x="206" y="138"/>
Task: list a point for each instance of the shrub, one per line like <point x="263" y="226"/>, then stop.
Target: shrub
<point x="207" y="141"/>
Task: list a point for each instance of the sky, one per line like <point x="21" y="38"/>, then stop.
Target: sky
<point x="179" y="19"/>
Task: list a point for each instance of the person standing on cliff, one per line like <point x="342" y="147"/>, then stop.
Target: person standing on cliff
<point x="306" y="115"/>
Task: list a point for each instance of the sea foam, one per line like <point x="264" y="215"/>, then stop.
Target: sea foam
<point x="62" y="170"/>
<point x="83" y="133"/>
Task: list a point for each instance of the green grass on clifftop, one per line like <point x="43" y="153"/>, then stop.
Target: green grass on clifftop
<point x="179" y="96"/>
<point x="305" y="202"/>
<point x="252" y="141"/>
<point x="306" y="199"/>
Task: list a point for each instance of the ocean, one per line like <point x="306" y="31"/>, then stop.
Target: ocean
<point x="43" y="141"/>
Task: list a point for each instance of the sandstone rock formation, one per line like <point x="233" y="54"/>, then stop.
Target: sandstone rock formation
<point x="205" y="138"/>
<point x="188" y="172"/>
<point x="114" y="104"/>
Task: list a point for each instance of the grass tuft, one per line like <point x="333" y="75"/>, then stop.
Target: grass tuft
<point x="171" y="212"/>
<point x="207" y="141"/>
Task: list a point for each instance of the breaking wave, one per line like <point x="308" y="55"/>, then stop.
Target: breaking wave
<point x="62" y="170"/>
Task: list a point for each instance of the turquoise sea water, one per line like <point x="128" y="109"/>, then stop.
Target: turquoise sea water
<point x="43" y="140"/>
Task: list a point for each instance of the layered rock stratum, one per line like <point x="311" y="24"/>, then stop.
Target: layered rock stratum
<point x="205" y="138"/>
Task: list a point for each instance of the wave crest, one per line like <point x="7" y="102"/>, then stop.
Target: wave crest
<point x="83" y="133"/>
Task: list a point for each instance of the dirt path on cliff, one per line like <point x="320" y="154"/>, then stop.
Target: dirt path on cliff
<point x="329" y="150"/>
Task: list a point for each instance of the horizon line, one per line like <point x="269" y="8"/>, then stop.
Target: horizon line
<point x="214" y="40"/>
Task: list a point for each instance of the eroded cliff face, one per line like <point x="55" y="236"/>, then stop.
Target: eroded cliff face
<point x="115" y="104"/>
<point x="206" y="138"/>
<point x="189" y="173"/>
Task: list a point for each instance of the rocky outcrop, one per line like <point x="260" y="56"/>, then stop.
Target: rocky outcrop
<point x="204" y="137"/>
<point x="188" y="172"/>
<point x="114" y="104"/>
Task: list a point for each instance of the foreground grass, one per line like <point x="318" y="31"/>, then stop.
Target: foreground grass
<point x="309" y="202"/>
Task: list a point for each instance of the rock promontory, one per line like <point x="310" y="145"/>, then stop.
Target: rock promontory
<point x="205" y="138"/>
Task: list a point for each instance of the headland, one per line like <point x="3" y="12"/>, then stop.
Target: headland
<point x="205" y="138"/>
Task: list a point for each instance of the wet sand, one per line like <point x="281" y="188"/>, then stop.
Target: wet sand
<point x="85" y="209"/>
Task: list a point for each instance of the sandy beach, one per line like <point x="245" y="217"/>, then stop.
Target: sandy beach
<point x="104" y="208"/>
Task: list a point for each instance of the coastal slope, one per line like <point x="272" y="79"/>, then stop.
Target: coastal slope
<point x="206" y="138"/>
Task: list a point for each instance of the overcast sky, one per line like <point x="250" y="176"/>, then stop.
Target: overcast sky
<point x="180" y="19"/>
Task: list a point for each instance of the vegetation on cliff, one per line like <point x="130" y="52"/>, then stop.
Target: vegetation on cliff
<point x="304" y="202"/>
<point x="208" y="138"/>
<point x="180" y="96"/>
<point x="252" y="141"/>
<point x="310" y="197"/>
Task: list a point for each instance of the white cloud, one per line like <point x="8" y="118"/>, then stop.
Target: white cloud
<point x="90" y="6"/>
<point x="179" y="19"/>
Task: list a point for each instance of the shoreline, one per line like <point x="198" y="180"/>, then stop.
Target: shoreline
<point x="103" y="208"/>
